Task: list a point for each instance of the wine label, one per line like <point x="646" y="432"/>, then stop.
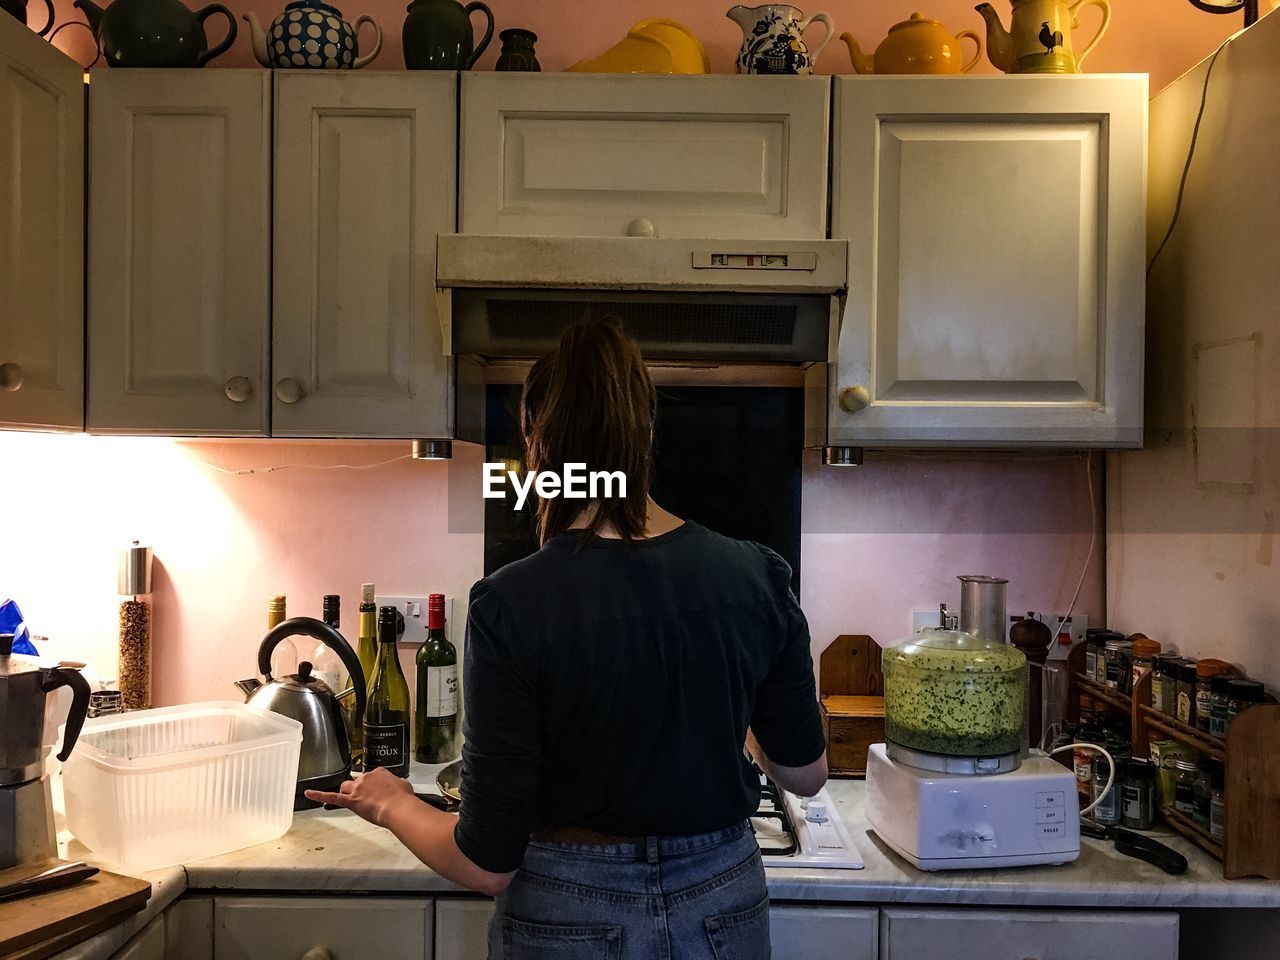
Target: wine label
<point x="442" y="691"/>
<point x="386" y="745"/>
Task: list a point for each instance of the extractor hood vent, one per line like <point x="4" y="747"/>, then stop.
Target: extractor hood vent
<point x="668" y="326"/>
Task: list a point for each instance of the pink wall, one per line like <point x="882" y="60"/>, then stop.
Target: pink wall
<point x="1160" y="37"/>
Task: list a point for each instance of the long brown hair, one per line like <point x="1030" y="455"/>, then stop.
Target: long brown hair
<point x="591" y="401"/>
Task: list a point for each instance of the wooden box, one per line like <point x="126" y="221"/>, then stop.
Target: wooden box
<point x="851" y="688"/>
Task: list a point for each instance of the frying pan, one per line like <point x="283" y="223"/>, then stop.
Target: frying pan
<point x="449" y="783"/>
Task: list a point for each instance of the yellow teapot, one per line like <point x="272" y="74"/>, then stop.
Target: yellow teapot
<point x="1039" y="36"/>
<point x="918" y="45"/>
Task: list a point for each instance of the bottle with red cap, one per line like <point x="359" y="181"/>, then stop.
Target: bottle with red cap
<point x="436" y="721"/>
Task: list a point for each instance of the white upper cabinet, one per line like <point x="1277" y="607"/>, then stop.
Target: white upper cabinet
<point x="996" y="261"/>
<point x="364" y="181"/>
<point x="179" y="252"/>
<point x="609" y="155"/>
<point x="41" y="233"/>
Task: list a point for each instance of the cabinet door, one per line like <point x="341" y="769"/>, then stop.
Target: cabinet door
<point x="365" y="175"/>
<point x="188" y="929"/>
<point x="586" y="155"/>
<point x="41" y="233"/>
<point x="912" y="934"/>
<point x="996" y="276"/>
<point x="179" y="251"/>
<point x="146" y="944"/>
<point x="348" y="928"/>
<point x="823" y="933"/>
<point x="462" y="928"/>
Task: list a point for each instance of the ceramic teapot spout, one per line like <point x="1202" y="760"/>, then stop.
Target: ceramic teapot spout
<point x="999" y="40"/>
<point x="92" y="13"/>
<point x="862" y="62"/>
<point x="258" y="36"/>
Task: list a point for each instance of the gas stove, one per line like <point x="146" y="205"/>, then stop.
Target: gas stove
<point x="802" y="831"/>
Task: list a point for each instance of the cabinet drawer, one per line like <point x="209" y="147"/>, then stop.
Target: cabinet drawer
<point x="907" y="934"/>
<point x="575" y="155"/>
<point x="350" y="928"/>
<point x="823" y="933"/>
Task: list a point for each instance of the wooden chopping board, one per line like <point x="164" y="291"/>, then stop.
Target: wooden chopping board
<point x="45" y="923"/>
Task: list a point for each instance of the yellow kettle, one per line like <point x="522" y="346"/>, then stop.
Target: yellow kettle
<point x="651" y="46"/>
<point x="1039" y="36"/>
<point x="918" y="45"/>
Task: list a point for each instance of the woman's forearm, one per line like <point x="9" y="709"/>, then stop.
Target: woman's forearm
<point x="428" y="833"/>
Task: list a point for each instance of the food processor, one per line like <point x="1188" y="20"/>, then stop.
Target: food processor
<point x="955" y="785"/>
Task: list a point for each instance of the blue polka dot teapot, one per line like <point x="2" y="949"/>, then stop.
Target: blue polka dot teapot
<point x="311" y="34"/>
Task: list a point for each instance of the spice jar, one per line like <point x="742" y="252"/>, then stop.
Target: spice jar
<point x="1118" y="657"/>
<point x="134" y="582"/>
<point x="1242" y="694"/>
<point x="1187" y="692"/>
<point x="1094" y="665"/>
<point x="1219" y="703"/>
<point x="1083" y="759"/>
<point x="1206" y="670"/>
<point x="1138" y="794"/>
<point x="1218" y="805"/>
<point x="1185" y="774"/>
<point x="1107" y="812"/>
<point x="1088" y="711"/>
<point x="1202" y="794"/>
<point x="1158" y="667"/>
<point x="1144" y="650"/>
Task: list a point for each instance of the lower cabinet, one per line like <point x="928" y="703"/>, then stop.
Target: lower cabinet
<point x="967" y="934"/>
<point x="147" y="944"/>
<point x="321" y="928"/>
<point x="462" y="928"/>
<point x="823" y="933"/>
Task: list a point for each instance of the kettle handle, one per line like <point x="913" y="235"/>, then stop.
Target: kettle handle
<point x="316" y="630"/>
<point x="203" y="14"/>
<point x="469" y="9"/>
<point x="1102" y="5"/>
<point x="73" y="678"/>
<point x="823" y="19"/>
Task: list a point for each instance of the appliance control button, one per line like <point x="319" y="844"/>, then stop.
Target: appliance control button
<point x="816" y="812"/>
<point x="1052" y="831"/>
<point x="1050" y="815"/>
<point x="1051" y="798"/>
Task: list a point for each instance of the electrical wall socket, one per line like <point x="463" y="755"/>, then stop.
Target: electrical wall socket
<point x="414" y="609"/>
<point x="925" y="617"/>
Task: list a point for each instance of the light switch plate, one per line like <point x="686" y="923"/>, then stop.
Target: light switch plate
<point x="414" y="609"/>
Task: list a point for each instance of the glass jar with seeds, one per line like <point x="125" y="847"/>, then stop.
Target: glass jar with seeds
<point x="134" y="584"/>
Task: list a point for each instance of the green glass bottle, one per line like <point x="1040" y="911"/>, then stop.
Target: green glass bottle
<point x="436" y="720"/>
<point x="367" y="652"/>
<point x="386" y="725"/>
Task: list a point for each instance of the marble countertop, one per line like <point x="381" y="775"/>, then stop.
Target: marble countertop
<point x="333" y="851"/>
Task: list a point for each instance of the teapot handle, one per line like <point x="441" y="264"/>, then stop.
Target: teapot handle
<point x="377" y="48"/>
<point x="977" y="53"/>
<point x="73" y="678"/>
<point x="823" y="19"/>
<point x="316" y="630"/>
<point x="488" y="31"/>
<point x="1102" y="5"/>
<point x="203" y="14"/>
<point x="52" y="16"/>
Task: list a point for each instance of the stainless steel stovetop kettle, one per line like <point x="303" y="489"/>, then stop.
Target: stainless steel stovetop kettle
<point x="325" y="760"/>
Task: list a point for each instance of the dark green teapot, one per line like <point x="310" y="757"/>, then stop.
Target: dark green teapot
<point x="437" y="35"/>
<point x="155" y="33"/>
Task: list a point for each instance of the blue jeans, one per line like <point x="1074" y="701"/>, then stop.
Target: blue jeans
<point x="669" y="898"/>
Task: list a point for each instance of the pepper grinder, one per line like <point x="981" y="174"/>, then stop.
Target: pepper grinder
<point x="134" y="583"/>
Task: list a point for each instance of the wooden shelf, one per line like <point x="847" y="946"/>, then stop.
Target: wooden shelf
<point x="1209" y="746"/>
<point x="1197" y="834"/>
<point x="1100" y="691"/>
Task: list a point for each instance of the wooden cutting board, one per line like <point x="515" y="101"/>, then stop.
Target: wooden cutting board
<point x="45" y="923"/>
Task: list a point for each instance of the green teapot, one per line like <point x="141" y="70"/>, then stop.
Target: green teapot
<point x="155" y="33"/>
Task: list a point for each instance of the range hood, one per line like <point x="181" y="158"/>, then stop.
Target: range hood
<point x="719" y="301"/>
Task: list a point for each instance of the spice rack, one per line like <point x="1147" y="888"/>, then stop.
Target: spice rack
<point x="1250" y="754"/>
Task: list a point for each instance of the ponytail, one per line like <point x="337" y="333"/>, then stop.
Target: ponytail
<point x="591" y="401"/>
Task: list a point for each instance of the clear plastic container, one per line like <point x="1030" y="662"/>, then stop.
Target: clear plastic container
<point x="159" y="787"/>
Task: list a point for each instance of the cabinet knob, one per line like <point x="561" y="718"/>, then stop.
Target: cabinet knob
<point x="238" y="389"/>
<point x="854" y="399"/>
<point x="641" y="227"/>
<point x="289" y="390"/>
<point x="10" y="377"/>
<point x="318" y="953"/>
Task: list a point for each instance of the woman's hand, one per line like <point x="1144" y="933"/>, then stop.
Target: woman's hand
<point x="373" y="796"/>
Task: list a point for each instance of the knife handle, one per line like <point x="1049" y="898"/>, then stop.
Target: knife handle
<point x="1152" y="851"/>
<point x="63" y="875"/>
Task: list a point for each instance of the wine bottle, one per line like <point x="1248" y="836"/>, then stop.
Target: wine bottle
<point x="284" y="658"/>
<point x="386" y="725"/>
<point x="436" y="720"/>
<point x="325" y="662"/>
<point x="367" y="652"/>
